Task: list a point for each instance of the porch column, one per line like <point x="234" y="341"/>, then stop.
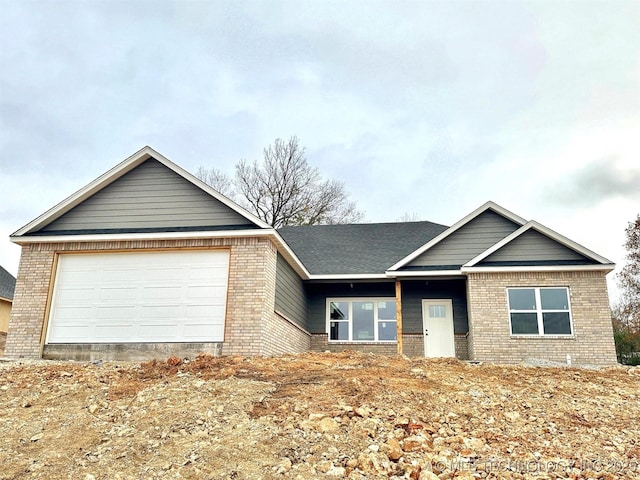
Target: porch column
<point x="399" y="315"/>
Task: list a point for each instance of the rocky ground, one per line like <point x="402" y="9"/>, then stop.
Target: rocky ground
<point x="315" y="415"/>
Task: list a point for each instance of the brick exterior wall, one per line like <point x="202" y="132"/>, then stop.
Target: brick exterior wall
<point x="412" y="346"/>
<point x="461" y="346"/>
<point x="489" y="329"/>
<point x="320" y="343"/>
<point x="283" y="336"/>
<point x="251" y="327"/>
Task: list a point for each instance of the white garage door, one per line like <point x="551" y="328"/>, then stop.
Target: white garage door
<point x="140" y="297"/>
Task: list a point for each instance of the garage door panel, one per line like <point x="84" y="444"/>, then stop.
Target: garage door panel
<point x="205" y="311"/>
<point x="201" y="291"/>
<point x="139" y="297"/>
<point x="116" y="312"/>
<point x="116" y="276"/>
<point x="160" y="311"/>
<point x="117" y="294"/>
<point x="75" y="314"/>
<point x="70" y="332"/>
<point x="113" y="331"/>
<point x="197" y="331"/>
<point x="162" y="292"/>
<point x="79" y="295"/>
<point x="158" y="331"/>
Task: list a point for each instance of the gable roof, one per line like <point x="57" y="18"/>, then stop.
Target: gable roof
<point x="356" y="249"/>
<point x="454" y="228"/>
<point x="118" y="172"/>
<point x="7" y="284"/>
<point x="588" y="256"/>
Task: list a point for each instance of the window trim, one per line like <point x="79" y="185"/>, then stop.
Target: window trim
<point x="539" y="311"/>
<point x="376" y="320"/>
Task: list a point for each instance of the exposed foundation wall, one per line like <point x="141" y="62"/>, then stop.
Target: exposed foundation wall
<point x="251" y="326"/>
<point x="134" y="352"/>
<point x="489" y="333"/>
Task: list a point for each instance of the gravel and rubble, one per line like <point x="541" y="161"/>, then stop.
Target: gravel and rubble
<point x="316" y="415"/>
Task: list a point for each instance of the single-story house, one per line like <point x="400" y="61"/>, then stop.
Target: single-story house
<point x="7" y="286"/>
<point x="147" y="260"/>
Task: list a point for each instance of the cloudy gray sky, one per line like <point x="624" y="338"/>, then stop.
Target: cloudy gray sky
<point x="428" y="108"/>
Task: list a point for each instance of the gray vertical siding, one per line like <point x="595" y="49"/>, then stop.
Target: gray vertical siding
<point x="291" y="298"/>
<point x="413" y="291"/>
<point x="534" y="246"/>
<point x="475" y="237"/>
<point x="149" y="196"/>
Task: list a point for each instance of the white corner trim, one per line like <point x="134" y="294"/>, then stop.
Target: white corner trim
<point x="483" y="208"/>
<point x="118" y="171"/>
<point x="544" y="231"/>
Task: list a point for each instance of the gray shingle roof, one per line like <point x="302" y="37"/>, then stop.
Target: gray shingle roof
<point x="7" y="284"/>
<point x="363" y="248"/>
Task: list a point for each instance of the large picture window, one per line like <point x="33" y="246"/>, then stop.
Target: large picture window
<point x="361" y="319"/>
<point x="539" y="311"/>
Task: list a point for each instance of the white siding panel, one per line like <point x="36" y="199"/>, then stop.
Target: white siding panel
<point x="140" y="297"/>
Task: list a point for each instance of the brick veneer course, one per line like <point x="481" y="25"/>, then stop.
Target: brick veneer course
<point x="489" y="329"/>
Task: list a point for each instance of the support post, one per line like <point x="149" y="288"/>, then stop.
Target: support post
<point x="399" y="316"/>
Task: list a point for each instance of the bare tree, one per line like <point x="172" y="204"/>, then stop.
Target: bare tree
<point x="283" y="189"/>
<point x="217" y="179"/>
<point x="629" y="278"/>
<point x="409" y="217"/>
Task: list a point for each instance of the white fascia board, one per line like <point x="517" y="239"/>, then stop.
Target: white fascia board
<point x="544" y="231"/>
<point x="8" y="300"/>
<point x="540" y="268"/>
<point x="349" y="276"/>
<point x="487" y="206"/>
<point x="423" y="273"/>
<point x="114" y="237"/>
<point x="118" y="171"/>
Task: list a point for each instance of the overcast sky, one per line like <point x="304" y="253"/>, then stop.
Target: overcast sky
<point x="426" y="108"/>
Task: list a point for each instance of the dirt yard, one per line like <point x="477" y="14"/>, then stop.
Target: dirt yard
<point x="312" y="416"/>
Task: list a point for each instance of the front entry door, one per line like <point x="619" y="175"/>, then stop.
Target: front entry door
<point x="437" y="322"/>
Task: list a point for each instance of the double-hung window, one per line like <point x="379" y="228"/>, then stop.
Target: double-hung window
<point x="361" y="319"/>
<point x="539" y="311"/>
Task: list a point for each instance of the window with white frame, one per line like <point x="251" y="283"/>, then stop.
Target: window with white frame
<point x="539" y="311"/>
<point x="361" y="319"/>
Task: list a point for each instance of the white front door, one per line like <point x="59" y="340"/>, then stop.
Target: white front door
<point x="437" y="322"/>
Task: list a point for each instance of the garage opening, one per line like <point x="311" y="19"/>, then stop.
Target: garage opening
<point x="168" y="296"/>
